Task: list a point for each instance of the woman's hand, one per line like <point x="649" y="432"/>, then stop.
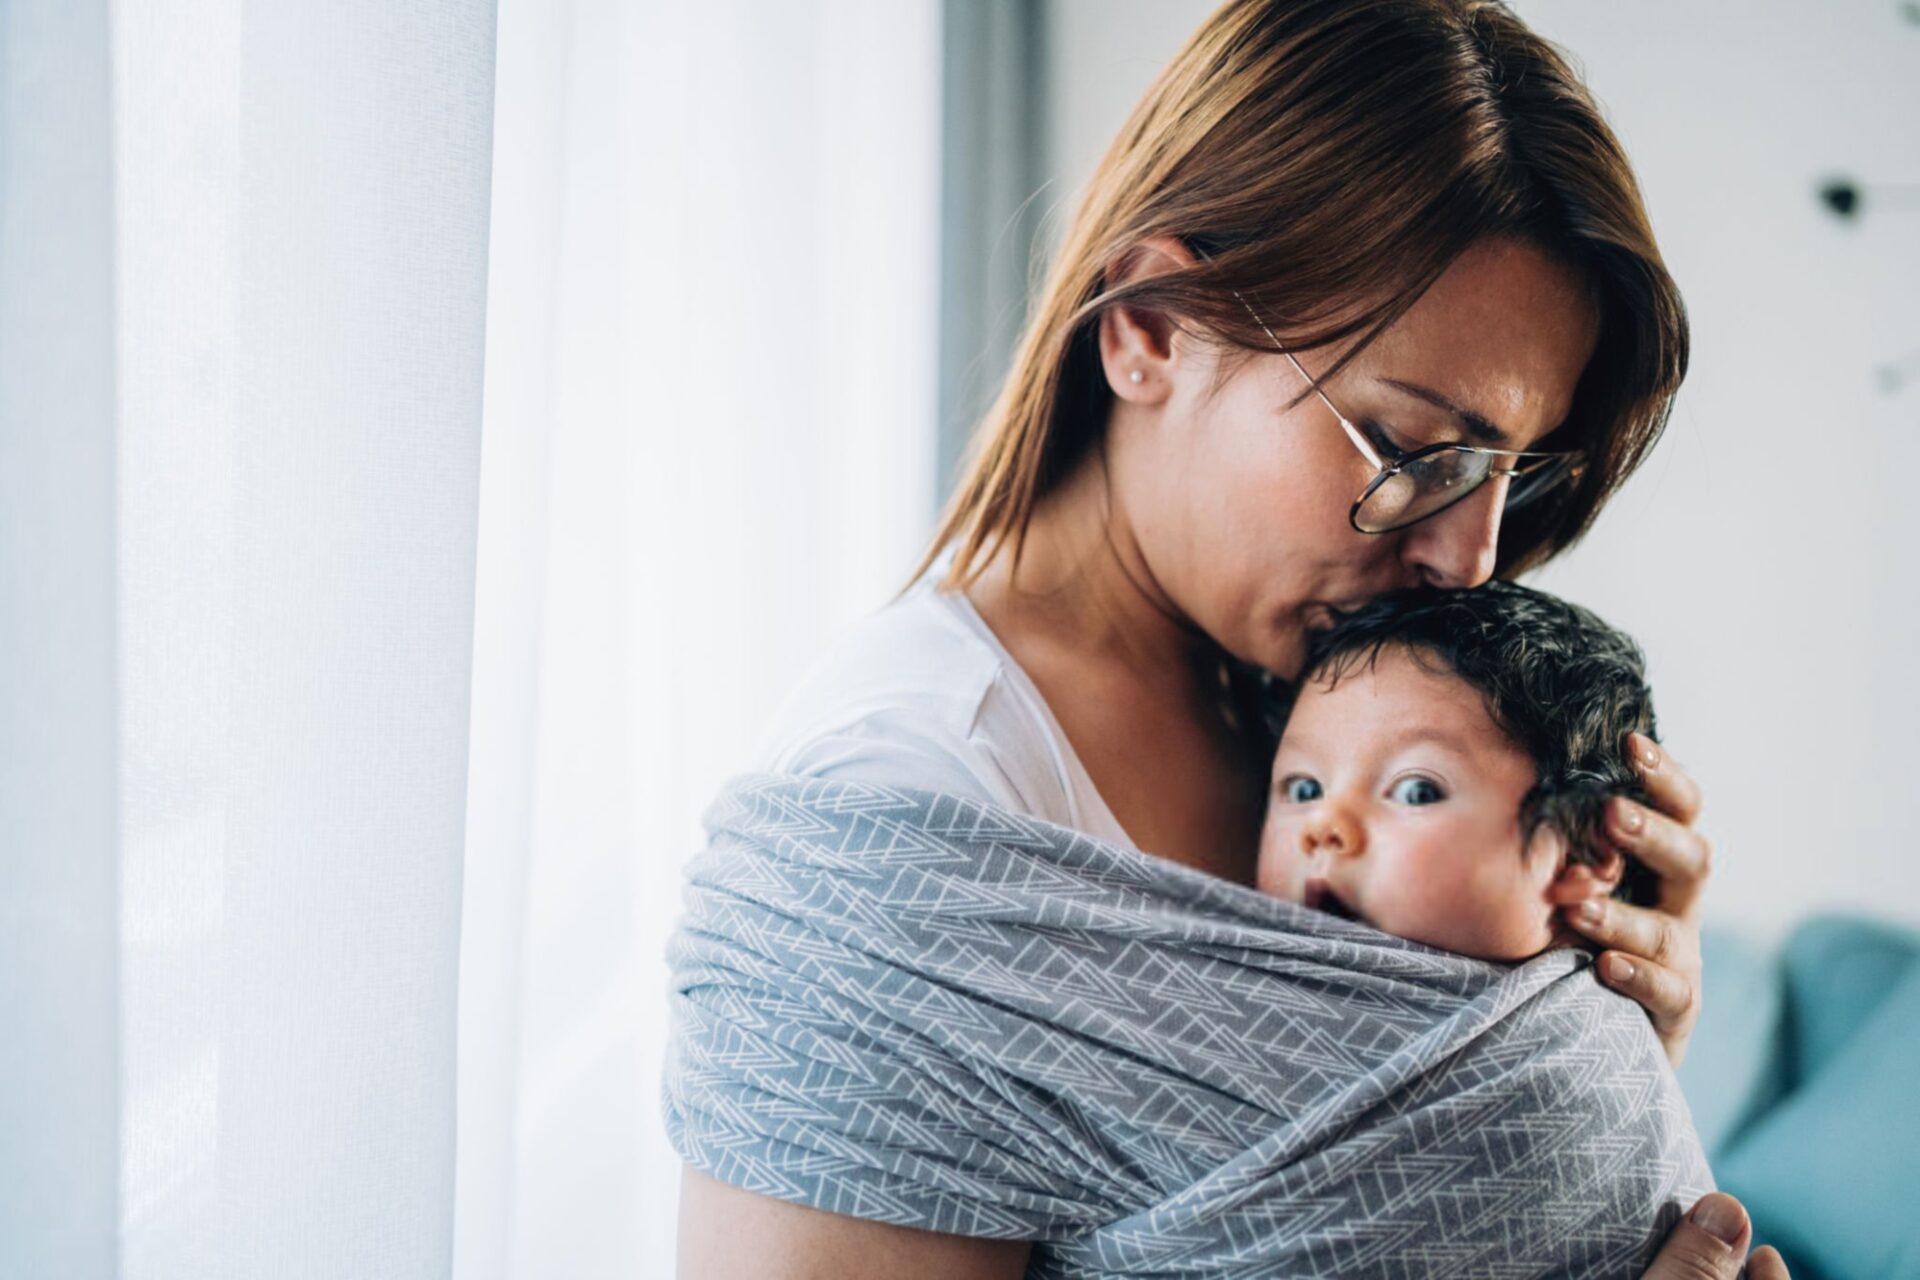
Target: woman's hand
<point x="1654" y="952"/>
<point x="1711" y="1242"/>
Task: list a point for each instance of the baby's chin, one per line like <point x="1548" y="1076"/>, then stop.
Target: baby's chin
<point x="1506" y="946"/>
<point x="1509" y="945"/>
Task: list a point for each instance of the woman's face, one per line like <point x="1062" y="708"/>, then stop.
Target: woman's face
<point x="1238" y="504"/>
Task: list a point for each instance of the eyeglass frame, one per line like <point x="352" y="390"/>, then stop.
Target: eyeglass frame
<point x="1386" y="469"/>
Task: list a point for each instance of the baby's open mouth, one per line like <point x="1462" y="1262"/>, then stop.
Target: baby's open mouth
<point x="1321" y="897"/>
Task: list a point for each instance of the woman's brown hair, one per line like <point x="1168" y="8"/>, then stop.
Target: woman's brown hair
<point x="1327" y="160"/>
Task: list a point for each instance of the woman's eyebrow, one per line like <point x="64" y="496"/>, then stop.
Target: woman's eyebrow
<point x="1477" y="427"/>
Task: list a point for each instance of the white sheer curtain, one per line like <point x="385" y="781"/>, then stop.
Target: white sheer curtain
<point x="709" y="442"/>
<point x="415" y="486"/>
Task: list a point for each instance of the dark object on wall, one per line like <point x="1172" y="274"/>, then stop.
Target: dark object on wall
<point x="1849" y="201"/>
<point x="1841" y="196"/>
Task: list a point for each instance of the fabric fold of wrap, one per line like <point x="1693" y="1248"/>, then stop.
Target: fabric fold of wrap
<point x="916" y="1008"/>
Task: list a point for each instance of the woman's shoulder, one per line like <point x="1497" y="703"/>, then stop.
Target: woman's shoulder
<point x="914" y="657"/>
<point x="919" y="694"/>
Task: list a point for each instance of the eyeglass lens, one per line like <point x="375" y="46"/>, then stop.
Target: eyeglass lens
<point x="1420" y="487"/>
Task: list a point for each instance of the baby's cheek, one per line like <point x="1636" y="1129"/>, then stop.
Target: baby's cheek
<point x="1496" y="919"/>
<point x="1270" y="876"/>
<point x="1422" y="904"/>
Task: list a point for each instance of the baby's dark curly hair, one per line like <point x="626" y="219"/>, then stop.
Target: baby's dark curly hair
<point x="1565" y="686"/>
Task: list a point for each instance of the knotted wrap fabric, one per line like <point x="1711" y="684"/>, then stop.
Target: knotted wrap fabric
<point x="915" y="1008"/>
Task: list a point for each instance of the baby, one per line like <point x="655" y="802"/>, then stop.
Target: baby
<point x="1445" y="764"/>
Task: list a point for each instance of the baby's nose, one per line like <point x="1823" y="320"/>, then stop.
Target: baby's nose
<point x="1332" y="830"/>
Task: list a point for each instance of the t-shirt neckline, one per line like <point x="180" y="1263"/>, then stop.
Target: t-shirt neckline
<point x="1066" y="757"/>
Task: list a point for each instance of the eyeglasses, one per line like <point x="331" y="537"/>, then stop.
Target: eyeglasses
<point x="1412" y="485"/>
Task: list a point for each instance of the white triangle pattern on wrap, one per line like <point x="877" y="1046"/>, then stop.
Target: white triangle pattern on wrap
<point x="923" y="1010"/>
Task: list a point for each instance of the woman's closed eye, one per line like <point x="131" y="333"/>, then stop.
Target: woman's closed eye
<point x="1391" y="445"/>
<point x="1298" y="788"/>
<point x="1416" y="790"/>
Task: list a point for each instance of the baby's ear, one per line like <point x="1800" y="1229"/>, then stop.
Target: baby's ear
<point x="1578" y="881"/>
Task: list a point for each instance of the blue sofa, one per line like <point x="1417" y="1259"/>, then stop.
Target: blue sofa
<point x="1804" y="1080"/>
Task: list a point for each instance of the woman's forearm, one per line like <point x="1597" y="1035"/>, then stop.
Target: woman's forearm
<point x="730" y="1234"/>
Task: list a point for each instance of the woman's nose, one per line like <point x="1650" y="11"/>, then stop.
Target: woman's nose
<point x="1457" y="547"/>
<point x="1332" y="830"/>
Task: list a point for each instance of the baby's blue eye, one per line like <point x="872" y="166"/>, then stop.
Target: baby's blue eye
<point x="1417" y="790"/>
<point x="1300" y="789"/>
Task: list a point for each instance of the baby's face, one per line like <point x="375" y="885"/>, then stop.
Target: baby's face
<point x="1396" y="800"/>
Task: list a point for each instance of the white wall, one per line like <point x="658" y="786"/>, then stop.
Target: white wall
<point x="1765" y="555"/>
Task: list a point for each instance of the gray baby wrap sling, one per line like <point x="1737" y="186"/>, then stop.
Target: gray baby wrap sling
<point x="919" y="1009"/>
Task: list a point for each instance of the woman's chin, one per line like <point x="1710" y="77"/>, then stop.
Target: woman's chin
<point x="1286" y="650"/>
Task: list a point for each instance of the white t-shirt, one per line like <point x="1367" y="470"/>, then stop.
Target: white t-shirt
<point x="922" y="694"/>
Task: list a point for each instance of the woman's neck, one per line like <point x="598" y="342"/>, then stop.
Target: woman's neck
<point x="1135" y="686"/>
<point x="1082" y="586"/>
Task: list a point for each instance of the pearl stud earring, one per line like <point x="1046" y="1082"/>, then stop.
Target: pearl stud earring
<point x="1135" y="376"/>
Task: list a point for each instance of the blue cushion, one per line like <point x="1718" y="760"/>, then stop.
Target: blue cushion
<point x="1838" y="970"/>
<point x="1831" y="1173"/>
<point x="1734" y="1062"/>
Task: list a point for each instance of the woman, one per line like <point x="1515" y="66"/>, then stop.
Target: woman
<point x="1332" y="234"/>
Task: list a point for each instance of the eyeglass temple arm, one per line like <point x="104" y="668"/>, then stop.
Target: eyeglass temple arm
<point x="1360" y="442"/>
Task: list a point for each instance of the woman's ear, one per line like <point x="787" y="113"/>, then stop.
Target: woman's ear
<point x="1137" y="345"/>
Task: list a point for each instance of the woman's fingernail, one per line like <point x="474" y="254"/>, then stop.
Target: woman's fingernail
<point x="1649" y="752"/>
<point x="1631" y="817"/>
<point x="1619" y="969"/>
<point x="1718" y="1219"/>
<point x="1590" y="911"/>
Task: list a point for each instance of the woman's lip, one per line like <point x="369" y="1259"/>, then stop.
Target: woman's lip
<point x="1325" y="613"/>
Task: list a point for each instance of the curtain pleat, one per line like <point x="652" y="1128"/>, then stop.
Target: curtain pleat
<point x="419" y="478"/>
<point x="712" y="374"/>
<point x="59" y="733"/>
<point x="246" y="253"/>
